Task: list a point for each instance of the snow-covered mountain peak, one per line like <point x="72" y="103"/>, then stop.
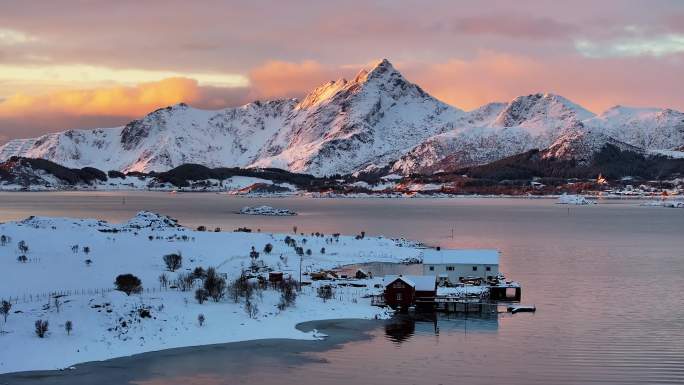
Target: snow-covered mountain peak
<point x="378" y="70"/>
<point x="648" y="128"/>
<point x="540" y="109"/>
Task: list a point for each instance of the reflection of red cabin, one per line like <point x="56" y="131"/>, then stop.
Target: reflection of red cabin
<point x="405" y="291"/>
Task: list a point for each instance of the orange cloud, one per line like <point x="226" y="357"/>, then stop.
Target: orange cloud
<point x="25" y="115"/>
<point x="115" y="101"/>
<point x="596" y="84"/>
<point x="281" y="79"/>
<point x="469" y="84"/>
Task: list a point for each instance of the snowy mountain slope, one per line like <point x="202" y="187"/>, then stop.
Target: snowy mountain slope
<point x="496" y="131"/>
<point x="581" y="145"/>
<point x="376" y="120"/>
<point x="648" y="128"/>
<point x="168" y="137"/>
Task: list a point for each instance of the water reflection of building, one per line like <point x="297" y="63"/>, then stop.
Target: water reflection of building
<point x="402" y="327"/>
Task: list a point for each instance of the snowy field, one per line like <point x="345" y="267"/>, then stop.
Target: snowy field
<point x="79" y="259"/>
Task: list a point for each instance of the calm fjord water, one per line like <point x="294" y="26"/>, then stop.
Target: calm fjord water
<point x="607" y="281"/>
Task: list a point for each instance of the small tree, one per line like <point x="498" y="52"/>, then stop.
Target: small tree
<point x="23" y="247"/>
<point x="308" y="251"/>
<point x="86" y="250"/>
<point x="251" y="308"/>
<point x="68" y="326"/>
<point x="200" y="319"/>
<point x="288" y="293"/>
<point x="173" y="261"/>
<point x="163" y="280"/>
<point x="185" y="281"/>
<point x="201" y="228"/>
<point x="268" y="248"/>
<point x="3" y="240"/>
<point x="88" y="262"/>
<point x="22" y="258"/>
<point x="5" y="307"/>
<point x="41" y="328"/>
<point x="58" y="304"/>
<point x="215" y="285"/>
<point x="199" y="273"/>
<point x="74" y="249"/>
<point x="201" y="295"/>
<point x="128" y="283"/>
<point x="322" y="250"/>
<point x="325" y="292"/>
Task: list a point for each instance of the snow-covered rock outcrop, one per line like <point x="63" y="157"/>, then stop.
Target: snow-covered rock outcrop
<point x="567" y="199"/>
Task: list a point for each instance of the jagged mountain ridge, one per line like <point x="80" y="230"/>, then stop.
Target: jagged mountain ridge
<point x="378" y="119"/>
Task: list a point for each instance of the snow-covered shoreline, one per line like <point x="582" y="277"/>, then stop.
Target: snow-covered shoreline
<point x="107" y="323"/>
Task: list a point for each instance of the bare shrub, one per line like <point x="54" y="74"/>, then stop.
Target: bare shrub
<point x="173" y="261"/>
<point x="163" y="281"/>
<point x="215" y="285"/>
<point x="251" y="308"/>
<point x="68" y="326"/>
<point x="201" y="295"/>
<point x="325" y="292"/>
<point x="288" y="293"/>
<point x="5" y="307"/>
<point x="41" y="328"/>
<point x="201" y="319"/>
<point x="184" y="281"/>
<point x="23" y="247"/>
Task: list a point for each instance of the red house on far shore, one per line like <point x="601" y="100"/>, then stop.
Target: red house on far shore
<point x="401" y="292"/>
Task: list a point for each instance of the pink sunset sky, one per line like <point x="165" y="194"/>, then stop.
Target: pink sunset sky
<point x="75" y="64"/>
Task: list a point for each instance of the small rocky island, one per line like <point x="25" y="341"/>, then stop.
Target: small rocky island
<point x="566" y="199"/>
<point x="266" y="210"/>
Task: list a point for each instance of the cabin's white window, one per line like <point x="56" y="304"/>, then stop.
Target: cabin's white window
<point x="398" y="296"/>
<point x="488" y="268"/>
<point x="432" y="268"/>
<point x="450" y="268"/>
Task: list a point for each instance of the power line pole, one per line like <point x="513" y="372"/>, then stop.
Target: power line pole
<point x="301" y="258"/>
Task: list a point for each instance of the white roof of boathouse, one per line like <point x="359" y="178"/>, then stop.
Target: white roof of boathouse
<point x="461" y="256"/>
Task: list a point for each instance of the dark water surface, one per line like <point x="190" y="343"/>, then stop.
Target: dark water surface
<point x="607" y="280"/>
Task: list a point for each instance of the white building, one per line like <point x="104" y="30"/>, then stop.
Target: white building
<point x="461" y="263"/>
